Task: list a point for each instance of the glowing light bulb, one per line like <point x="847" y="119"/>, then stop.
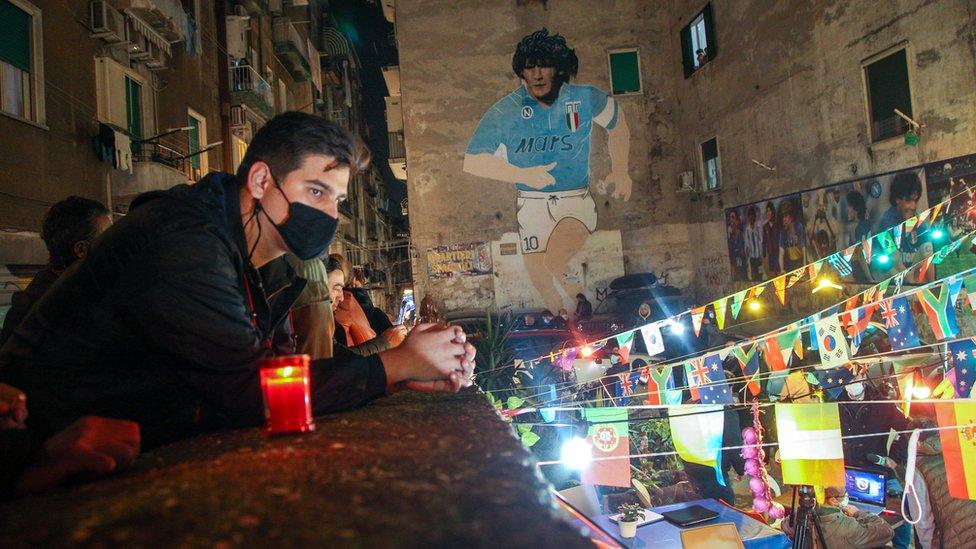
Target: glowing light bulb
<point x="921" y="392"/>
<point x="586" y="351"/>
<point x="824" y="282"/>
<point x="937" y="234"/>
<point x="677" y="327"/>
<point x="576" y="453"/>
<point x="754" y="305"/>
<point x="884" y="259"/>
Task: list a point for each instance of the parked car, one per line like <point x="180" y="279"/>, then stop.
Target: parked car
<point x="622" y="310"/>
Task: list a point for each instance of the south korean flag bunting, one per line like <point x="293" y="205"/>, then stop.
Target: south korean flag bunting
<point x="834" y="350"/>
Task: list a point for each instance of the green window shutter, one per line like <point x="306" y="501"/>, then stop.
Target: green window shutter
<point x="624" y="72"/>
<point x="194" y="137"/>
<point x="687" y="56"/>
<point x="133" y="107"/>
<point x="15" y="35"/>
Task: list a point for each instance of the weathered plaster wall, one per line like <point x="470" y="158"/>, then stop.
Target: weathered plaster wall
<point x="455" y="60"/>
<point x="785" y="89"/>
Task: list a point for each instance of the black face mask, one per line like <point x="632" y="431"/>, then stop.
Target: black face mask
<point x="307" y="232"/>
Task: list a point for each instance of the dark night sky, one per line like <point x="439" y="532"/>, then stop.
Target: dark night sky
<point x="371" y="34"/>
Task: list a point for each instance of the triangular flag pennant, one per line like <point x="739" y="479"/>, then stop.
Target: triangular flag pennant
<point x="716" y="390"/>
<point x="924" y="215"/>
<point x="898" y="281"/>
<point x="866" y="248"/>
<point x="653" y="342"/>
<point x="736" y="305"/>
<point x="885" y="242"/>
<point x="608" y="437"/>
<point x="897" y="318"/>
<point x="841" y="264"/>
<point x="795" y="276"/>
<point x="850" y="303"/>
<point x="780" y="284"/>
<point x="697" y="374"/>
<point x="625" y="342"/>
<point x="859" y="320"/>
<point x="906" y="384"/>
<point x="970" y="283"/>
<point x="849" y="252"/>
<point x="911" y="223"/>
<point x="936" y="210"/>
<point x="833" y="347"/>
<point x="696" y="319"/>
<point x="758" y="290"/>
<point x="939" y="309"/>
<point x="810" y="446"/>
<point x="719" y="306"/>
<point x="779" y="350"/>
<point x="958" y="437"/>
<point x="896" y="233"/>
<point x="749" y="363"/>
<point x="868" y="295"/>
<point x="882" y="288"/>
<point x="660" y="386"/>
<point x="697" y="435"/>
<point x="924" y="267"/>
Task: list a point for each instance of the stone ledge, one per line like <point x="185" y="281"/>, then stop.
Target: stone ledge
<point x="409" y="470"/>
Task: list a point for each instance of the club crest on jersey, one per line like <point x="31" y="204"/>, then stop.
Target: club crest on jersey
<point x="572" y="115"/>
<point x="527" y="112"/>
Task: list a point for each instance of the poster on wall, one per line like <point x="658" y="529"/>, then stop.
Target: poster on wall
<point x="766" y="238"/>
<point x="469" y="259"/>
<point x="830" y="219"/>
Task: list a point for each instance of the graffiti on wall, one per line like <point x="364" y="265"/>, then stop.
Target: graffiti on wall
<point x="459" y="260"/>
<point x="537" y="137"/>
<point x="774" y="236"/>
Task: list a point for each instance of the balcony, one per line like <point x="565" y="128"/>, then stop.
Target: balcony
<point x="166" y="17"/>
<point x="256" y="7"/>
<point x="249" y="88"/>
<point x="397" y="155"/>
<point x="292" y="49"/>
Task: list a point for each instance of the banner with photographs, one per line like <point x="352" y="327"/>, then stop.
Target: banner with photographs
<point x="774" y="236"/>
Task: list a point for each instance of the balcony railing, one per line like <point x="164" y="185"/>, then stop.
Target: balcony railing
<point x="889" y="127"/>
<point x="166" y="17"/>
<point x="291" y="48"/>
<point x="250" y="88"/>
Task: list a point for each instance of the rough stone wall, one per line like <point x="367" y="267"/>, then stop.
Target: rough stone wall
<point x="786" y="89"/>
<point x="455" y="60"/>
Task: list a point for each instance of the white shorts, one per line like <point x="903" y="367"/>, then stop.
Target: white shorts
<point x="539" y="212"/>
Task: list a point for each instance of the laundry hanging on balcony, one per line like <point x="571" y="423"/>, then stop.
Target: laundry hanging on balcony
<point x="113" y="145"/>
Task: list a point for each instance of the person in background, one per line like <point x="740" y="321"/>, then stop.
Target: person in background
<point x="904" y="194"/>
<point x="792" y="241"/>
<point x="754" y="244"/>
<point x="89" y="448"/>
<point x="770" y="230"/>
<point x="846" y="526"/>
<point x="584" y="309"/>
<point x="737" y="246"/>
<point x="858" y="229"/>
<point x="550" y="321"/>
<point x="943" y="521"/>
<point x="311" y="315"/>
<point x="68" y="230"/>
<point x="564" y="314"/>
<point x="390" y="338"/>
<point x="378" y="320"/>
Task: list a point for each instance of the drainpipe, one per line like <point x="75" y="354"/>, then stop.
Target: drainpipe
<point x="223" y="88"/>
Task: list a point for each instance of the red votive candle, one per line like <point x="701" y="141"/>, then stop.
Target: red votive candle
<point x="285" y="386"/>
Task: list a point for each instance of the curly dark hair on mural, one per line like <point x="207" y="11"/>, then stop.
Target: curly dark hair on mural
<point x="541" y="49"/>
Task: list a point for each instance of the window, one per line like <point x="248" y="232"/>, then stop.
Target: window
<point x="711" y="167"/>
<point x="197" y="140"/>
<point x="133" y="107"/>
<point x="123" y="98"/>
<point x="698" y="41"/>
<point x="625" y="73"/>
<point x="888" y="88"/>
<point x="21" y="75"/>
<point x="238" y="149"/>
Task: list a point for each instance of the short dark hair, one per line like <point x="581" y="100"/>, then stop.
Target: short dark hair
<point x="68" y="222"/>
<point x="541" y="49"/>
<point x="904" y="185"/>
<point x="580" y="296"/>
<point x="333" y="263"/>
<point x="855" y="200"/>
<point x="752" y="211"/>
<point x="285" y="141"/>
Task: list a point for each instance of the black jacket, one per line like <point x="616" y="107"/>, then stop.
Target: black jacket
<point x="154" y="326"/>
<point x="22" y="301"/>
<point x="377" y="319"/>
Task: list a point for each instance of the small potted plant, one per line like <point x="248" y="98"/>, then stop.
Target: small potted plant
<point x="630" y="515"/>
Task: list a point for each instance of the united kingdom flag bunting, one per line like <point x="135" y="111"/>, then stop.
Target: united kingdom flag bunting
<point x="939" y="308"/>
<point x="898" y="321"/>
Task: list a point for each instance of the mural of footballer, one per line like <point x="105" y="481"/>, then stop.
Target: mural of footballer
<point x="538" y="137"/>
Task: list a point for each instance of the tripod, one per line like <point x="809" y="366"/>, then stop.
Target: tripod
<point x="804" y="515"/>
